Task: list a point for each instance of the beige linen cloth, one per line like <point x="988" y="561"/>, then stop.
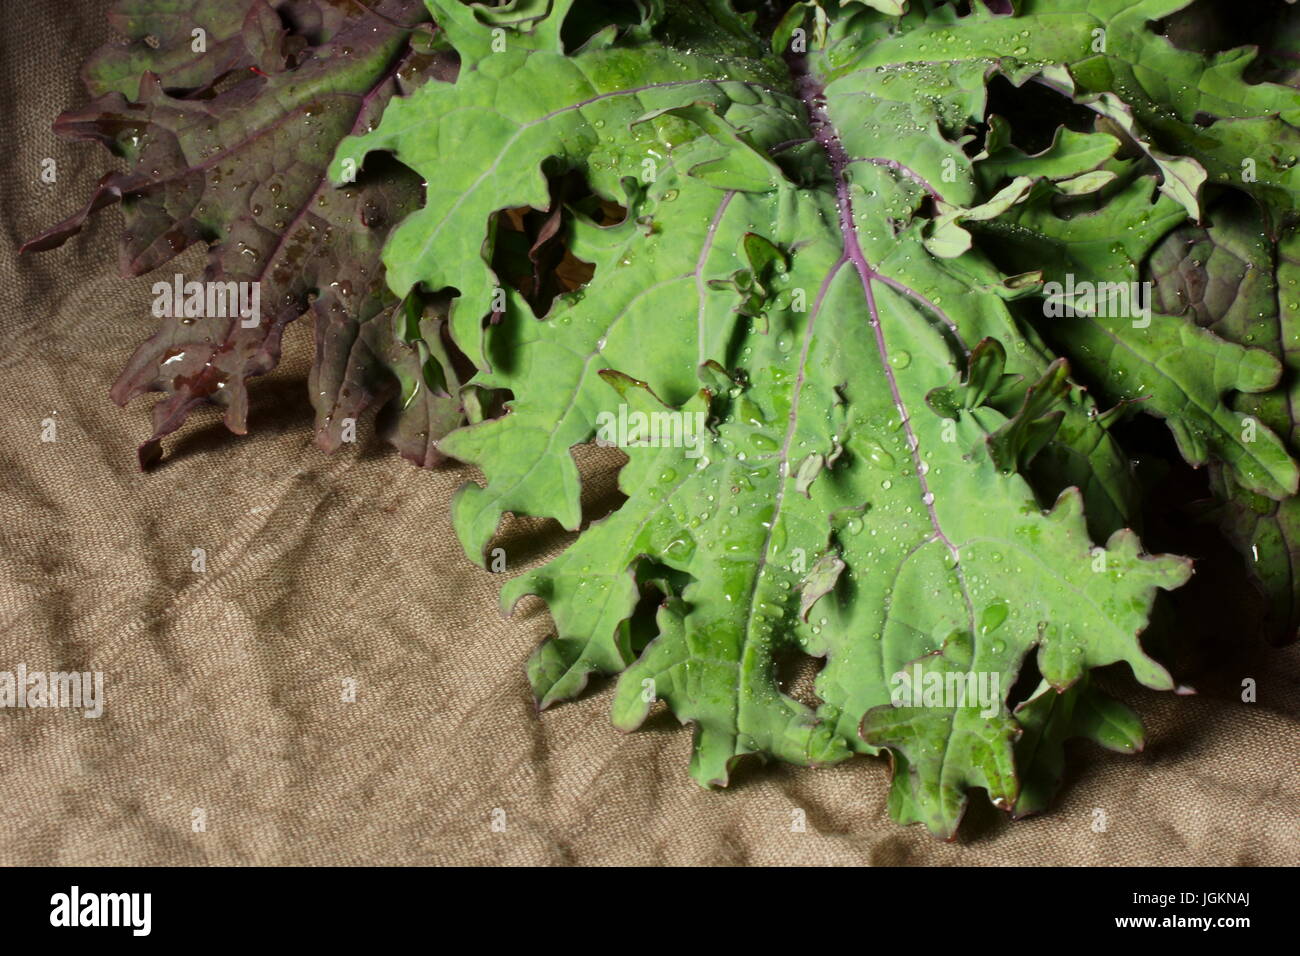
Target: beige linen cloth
<point x="224" y="688"/>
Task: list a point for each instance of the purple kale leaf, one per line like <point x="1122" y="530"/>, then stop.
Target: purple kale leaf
<point x="228" y="114"/>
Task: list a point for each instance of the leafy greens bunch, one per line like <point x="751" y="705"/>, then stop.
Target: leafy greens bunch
<point x="818" y="231"/>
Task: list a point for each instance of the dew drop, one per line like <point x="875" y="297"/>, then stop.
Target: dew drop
<point x="993" y="617"/>
<point x="900" y="359"/>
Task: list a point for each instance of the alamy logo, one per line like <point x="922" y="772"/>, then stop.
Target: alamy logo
<point x="82" y="690"/>
<point x="75" y="908"/>
<point x="950" y="690"/>
<point x="179" y="299"/>
<point x="1113" y="300"/>
<point x="667" y="429"/>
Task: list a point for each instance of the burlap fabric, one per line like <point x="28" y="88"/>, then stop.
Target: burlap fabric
<point x="224" y="687"/>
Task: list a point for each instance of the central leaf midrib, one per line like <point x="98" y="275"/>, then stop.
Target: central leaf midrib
<point x="812" y="94"/>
